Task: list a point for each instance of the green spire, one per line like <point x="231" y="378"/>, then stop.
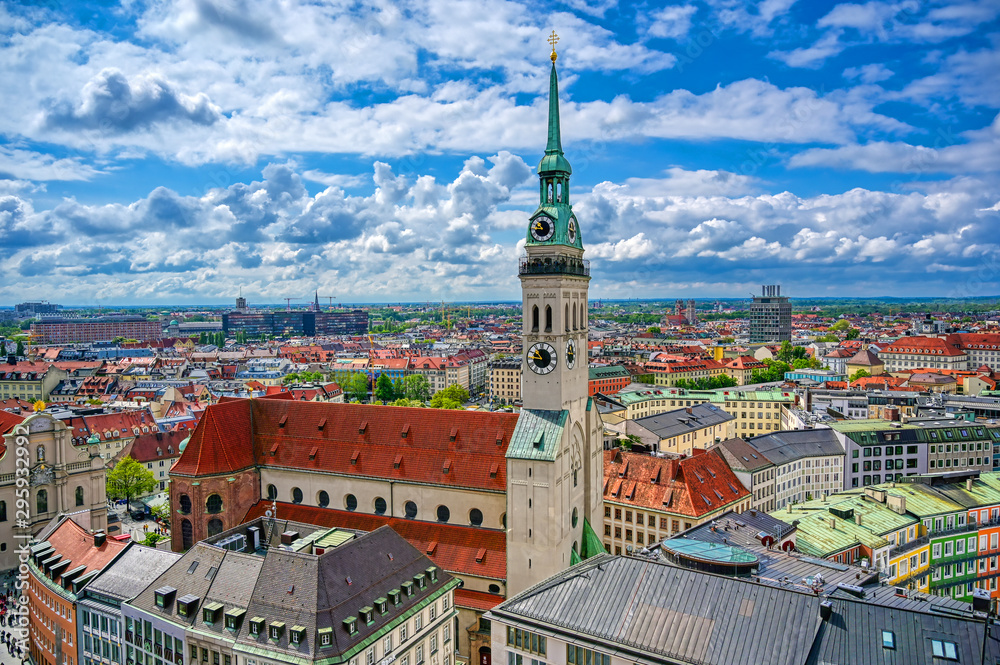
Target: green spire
<point x="554" y="160"/>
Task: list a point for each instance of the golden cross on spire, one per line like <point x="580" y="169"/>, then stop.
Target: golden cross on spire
<point x="553" y="39"/>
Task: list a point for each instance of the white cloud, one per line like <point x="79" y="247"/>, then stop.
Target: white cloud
<point x="673" y="22"/>
<point x="30" y="165"/>
<point x="871" y="73"/>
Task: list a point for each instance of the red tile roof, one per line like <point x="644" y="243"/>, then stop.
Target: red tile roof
<point x="76" y="544"/>
<point x="221" y="443"/>
<point x="144" y="448"/>
<point x="352" y="439"/>
<point x="923" y="345"/>
<point x="692" y="486"/>
<point x="477" y="600"/>
<point x="455" y="548"/>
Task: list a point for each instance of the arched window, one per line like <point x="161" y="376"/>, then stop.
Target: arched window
<point x="3" y="511"/>
<point x="323" y="499"/>
<point x="548" y="318"/>
<point x="566" y="320"/>
<point x="443" y="513"/>
<point x="40" y="454"/>
<point x="534" y="318"/>
<point x="79" y="496"/>
<point x="575" y="327"/>
<point x="476" y="517"/>
<point x="214" y="527"/>
<point x="576" y="517"/>
<point x="549" y="196"/>
<point x="351" y="502"/>
<point x="42" y="502"/>
<point x="296" y="495"/>
<point x="380" y="506"/>
<point x="187" y="534"/>
<point x="213" y="504"/>
<point x="559" y="191"/>
<point x="185" y="504"/>
<point x="410" y="510"/>
<point x="272" y="492"/>
<point x="494" y="588"/>
<point x="503" y="520"/>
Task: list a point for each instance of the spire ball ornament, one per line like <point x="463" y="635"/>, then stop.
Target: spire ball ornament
<point x="553" y="40"/>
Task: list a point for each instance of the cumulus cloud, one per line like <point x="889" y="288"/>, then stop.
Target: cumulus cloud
<point x="672" y="22"/>
<point x="110" y="102"/>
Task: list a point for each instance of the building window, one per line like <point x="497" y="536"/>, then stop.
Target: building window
<point x="79" y="496"/>
<point x="42" y="501"/>
<point x="213" y="504"/>
<point x="296" y="495"/>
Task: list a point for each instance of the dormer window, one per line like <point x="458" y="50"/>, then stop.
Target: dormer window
<point x="211" y="612"/>
<point x="382" y="605"/>
<point x="407" y="588"/>
<point x="276" y="630"/>
<point x="234" y="618"/>
<point x="325" y="636"/>
<point x="432" y="573"/>
<point x="368" y="614"/>
<point x="165" y="596"/>
<point x="297" y="635"/>
<point x="394" y="596"/>
<point x="351" y="625"/>
<point x="187" y="605"/>
<point x="256" y="626"/>
<point x="420" y="580"/>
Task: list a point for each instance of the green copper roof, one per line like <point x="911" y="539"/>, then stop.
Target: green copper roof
<point x="574" y="558"/>
<point x="592" y="545"/>
<point x="537" y="435"/>
<point x="554" y="160"/>
<point x="708" y="551"/>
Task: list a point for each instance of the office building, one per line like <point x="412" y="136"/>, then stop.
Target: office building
<point x="770" y="317"/>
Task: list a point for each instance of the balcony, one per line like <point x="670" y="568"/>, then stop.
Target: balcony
<point x="558" y="266"/>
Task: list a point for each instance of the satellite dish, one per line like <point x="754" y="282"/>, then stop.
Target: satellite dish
<point x="628" y="549"/>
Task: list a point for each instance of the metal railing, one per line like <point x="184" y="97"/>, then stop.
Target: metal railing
<point x="557" y="266"/>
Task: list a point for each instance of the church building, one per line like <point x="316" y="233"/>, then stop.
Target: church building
<point x="502" y="501"/>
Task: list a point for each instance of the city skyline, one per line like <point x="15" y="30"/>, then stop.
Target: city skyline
<point x="175" y="152"/>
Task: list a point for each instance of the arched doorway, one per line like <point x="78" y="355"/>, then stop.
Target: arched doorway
<point x="187" y="534"/>
<point x="484" y="656"/>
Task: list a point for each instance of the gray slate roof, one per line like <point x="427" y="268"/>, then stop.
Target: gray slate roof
<point x="741" y="456"/>
<point x="641" y="609"/>
<point x="139" y="565"/>
<point x="790" y="446"/>
<point x="679" y="421"/>
<point x="646" y="611"/>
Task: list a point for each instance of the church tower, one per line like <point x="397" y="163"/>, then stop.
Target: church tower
<point x="555" y="459"/>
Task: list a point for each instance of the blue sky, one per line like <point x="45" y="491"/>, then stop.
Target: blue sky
<point x="174" y="151"/>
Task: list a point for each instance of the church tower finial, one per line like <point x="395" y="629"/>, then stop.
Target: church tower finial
<point x="553" y="39"/>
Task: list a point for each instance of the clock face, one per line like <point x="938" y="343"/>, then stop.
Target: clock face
<point x="572" y="230"/>
<point x="570" y="354"/>
<point x="541" y="358"/>
<point x="542" y="228"/>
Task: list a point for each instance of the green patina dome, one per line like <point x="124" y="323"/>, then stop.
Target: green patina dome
<point x="183" y="444"/>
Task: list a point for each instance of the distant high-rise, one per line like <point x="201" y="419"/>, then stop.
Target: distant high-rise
<point x="35" y="308"/>
<point x="690" y="314"/>
<point x="770" y="317"/>
<point x="241" y="303"/>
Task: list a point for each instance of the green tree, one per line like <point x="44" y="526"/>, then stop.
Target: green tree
<point x="402" y="401"/>
<point x="860" y="374"/>
<point x="805" y="363"/>
<point x="828" y="338"/>
<point x="356" y="386"/>
<point x="853" y="333"/>
<point x="162" y="513"/>
<point x="843" y="324"/>
<point x="775" y="371"/>
<point x="152" y="538"/>
<point x="129" y="479"/>
<point x="416" y="388"/>
<point x="656" y="330"/>
<point x="384" y="390"/>
<point x="452" y="397"/>
<point x="20" y="349"/>
<point x="291" y="377"/>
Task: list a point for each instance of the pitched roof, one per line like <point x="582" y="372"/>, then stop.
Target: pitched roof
<point x="464" y="550"/>
<point x="221" y="442"/>
<point x="789" y="446"/>
<point x="742" y="456"/>
<point x="691" y="486"/>
<point x="681" y="421"/>
<point x="132" y="572"/>
<point x="866" y="358"/>
<point x="76" y="544"/>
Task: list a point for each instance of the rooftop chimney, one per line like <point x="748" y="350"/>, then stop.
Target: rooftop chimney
<point x="11" y="359"/>
<point x="968" y="484"/>
<point x="99" y="538"/>
<point x="825" y="610"/>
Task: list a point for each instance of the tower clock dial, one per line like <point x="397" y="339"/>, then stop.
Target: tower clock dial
<point x="541" y="358"/>
<point x="571" y="231"/>
<point x="570" y="354"/>
<point x="542" y="228"/>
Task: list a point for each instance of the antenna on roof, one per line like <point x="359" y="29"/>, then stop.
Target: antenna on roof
<point x="272" y="517"/>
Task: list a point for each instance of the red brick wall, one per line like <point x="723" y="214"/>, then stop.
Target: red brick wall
<point x="237" y="497"/>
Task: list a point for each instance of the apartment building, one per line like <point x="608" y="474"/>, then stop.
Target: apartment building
<point x="683" y="430"/>
<point x="505" y="381"/>
<point x="807" y="464"/>
<point x="647" y="498"/>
